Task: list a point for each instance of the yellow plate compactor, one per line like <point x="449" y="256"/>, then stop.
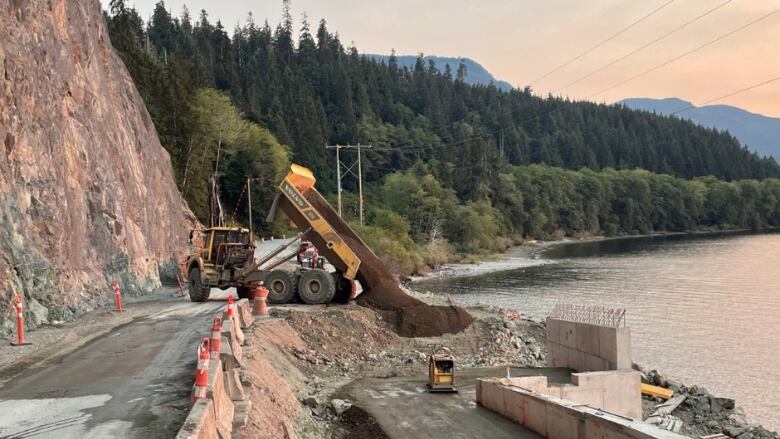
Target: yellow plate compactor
<point x="441" y="370"/>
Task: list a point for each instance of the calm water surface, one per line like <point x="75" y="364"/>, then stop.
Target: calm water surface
<point x="704" y="309"/>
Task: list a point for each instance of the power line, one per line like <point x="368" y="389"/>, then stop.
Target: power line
<point x="728" y="95"/>
<point x="542" y="115"/>
<point x="696" y="49"/>
<point x="643" y="47"/>
<point x="620" y="32"/>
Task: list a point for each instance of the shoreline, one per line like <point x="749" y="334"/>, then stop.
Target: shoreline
<point x="530" y="253"/>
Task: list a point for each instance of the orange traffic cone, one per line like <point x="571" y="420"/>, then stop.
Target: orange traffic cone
<point x="117" y="296"/>
<point x="230" y="313"/>
<point x="19" y="322"/>
<point x="202" y="372"/>
<point x="216" y="338"/>
<point x="260" y="307"/>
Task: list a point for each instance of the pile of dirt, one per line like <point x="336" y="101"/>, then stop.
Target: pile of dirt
<point x="411" y="317"/>
<point x="342" y="333"/>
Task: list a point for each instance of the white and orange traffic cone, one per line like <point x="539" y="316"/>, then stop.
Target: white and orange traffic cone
<point x="202" y="372"/>
<point x="216" y="339"/>
<point x="230" y="311"/>
<point x="117" y="296"/>
<point x="19" y="322"/>
<point x="260" y="306"/>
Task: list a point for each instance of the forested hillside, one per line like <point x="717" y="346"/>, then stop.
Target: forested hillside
<point x="460" y="151"/>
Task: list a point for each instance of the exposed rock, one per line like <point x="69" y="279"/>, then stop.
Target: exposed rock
<point x="340" y="405"/>
<point x="86" y="190"/>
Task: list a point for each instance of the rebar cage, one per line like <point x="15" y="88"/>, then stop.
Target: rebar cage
<point x="590" y="314"/>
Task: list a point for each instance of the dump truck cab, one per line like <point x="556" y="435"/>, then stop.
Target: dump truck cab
<point x="221" y="253"/>
<point x="225" y="255"/>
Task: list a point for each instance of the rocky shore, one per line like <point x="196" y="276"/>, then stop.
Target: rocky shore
<point x="702" y="413"/>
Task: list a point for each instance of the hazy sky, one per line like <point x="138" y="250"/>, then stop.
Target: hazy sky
<point x="520" y="40"/>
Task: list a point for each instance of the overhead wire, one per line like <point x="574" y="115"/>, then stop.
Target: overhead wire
<point x="603" y="42"/>
<point x="643" y="47"/>
<point x="683" y="55"/>
<point x="728" y="95"/>
<point x="561" y="108"/>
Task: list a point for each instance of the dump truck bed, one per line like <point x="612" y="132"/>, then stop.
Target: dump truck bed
<point x="309" y="210"/>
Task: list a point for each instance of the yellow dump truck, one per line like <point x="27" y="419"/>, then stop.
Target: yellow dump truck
<point x="226" y="255"/>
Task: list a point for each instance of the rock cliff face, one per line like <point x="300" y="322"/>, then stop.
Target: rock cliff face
<point x="86" y="189"/>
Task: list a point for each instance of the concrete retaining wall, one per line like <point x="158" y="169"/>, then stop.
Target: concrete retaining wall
<point x="556" y="418"/>
<point x="585" y="347"/>
<point x="617" y="392"/>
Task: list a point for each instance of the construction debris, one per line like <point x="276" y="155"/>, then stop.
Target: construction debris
<point x="700" y="413"/>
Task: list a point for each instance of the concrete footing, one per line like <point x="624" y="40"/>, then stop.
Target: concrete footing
<point x="557" y="418"/>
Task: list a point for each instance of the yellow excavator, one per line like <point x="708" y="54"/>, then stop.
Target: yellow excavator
<point x="225" y="256"/>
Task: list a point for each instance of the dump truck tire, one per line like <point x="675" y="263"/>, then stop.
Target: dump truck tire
<point x="316" y="286"/>
<point x="198" y="292"/>
<point x="281" y="286"/>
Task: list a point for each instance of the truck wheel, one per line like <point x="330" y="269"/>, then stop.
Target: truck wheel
<point x="244" y="292"/>
<point x="281" y="286"/>
<point x="198" y="292"/>
<point x="316" y="286"/>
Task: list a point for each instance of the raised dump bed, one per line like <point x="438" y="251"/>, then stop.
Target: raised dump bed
<point x="296" y="190"/>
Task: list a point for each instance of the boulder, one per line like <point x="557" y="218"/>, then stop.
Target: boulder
<point x="340" y="406"/>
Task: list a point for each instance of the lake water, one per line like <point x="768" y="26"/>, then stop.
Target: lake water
<point x="703" y="309"/>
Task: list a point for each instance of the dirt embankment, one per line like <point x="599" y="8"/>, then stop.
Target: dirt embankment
<point x="411" y="317"/>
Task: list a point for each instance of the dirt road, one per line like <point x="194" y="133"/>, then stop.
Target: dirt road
<point x="404" y="409"/>
<point x="132" y="381"/>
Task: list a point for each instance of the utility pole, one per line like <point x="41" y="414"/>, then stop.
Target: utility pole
<point x="360" y="185"/>
<point x="249" y="197"/>
<point x="338" y="175"/>
<point x="348" y="169"/>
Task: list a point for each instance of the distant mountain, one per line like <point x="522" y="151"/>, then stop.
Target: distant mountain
<point x="758" y="132"/>
<point x="475" y="73"/>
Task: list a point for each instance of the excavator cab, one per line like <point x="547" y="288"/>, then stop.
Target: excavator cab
<point x="441" y="370"/>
